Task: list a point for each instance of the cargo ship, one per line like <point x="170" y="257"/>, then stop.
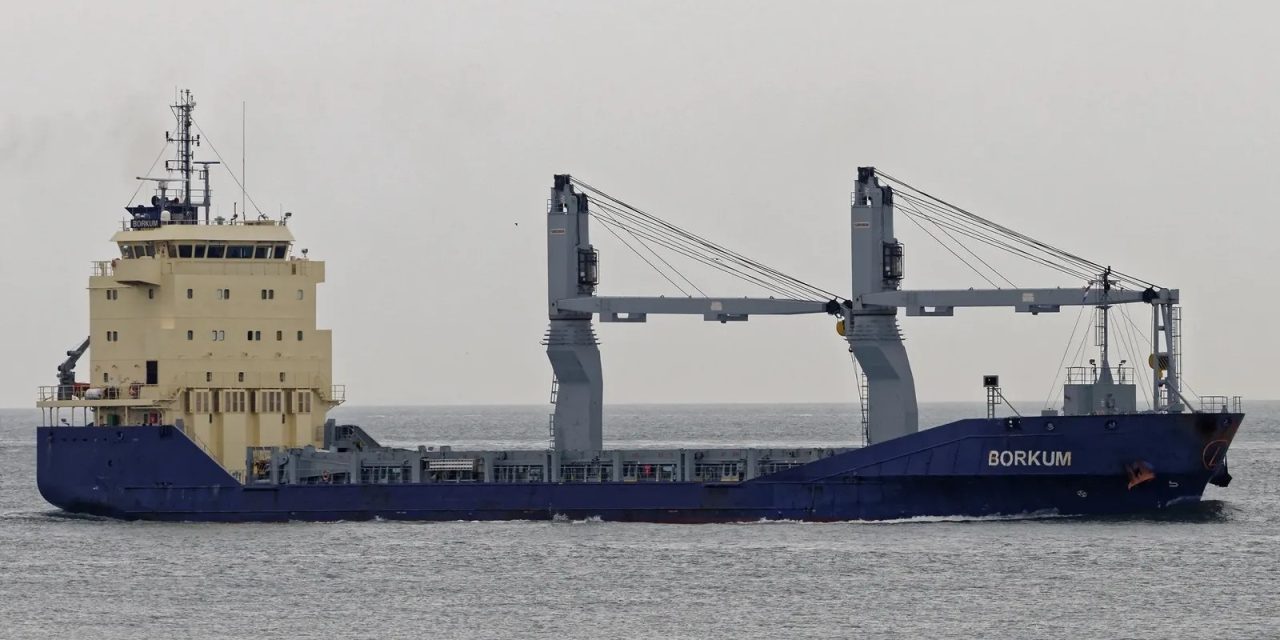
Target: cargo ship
<point x="209" y="385"/>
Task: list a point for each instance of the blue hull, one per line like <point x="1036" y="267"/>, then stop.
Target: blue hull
<point x="1080" y="465"/>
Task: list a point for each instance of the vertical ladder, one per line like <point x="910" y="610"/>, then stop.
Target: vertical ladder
<point x="864" y="399"/>
<point x="1172" y="329"/>
<point x="1176" y="336"/>
<point x="551" y="421"/>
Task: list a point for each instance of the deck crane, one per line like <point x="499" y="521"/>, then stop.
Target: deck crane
<point x="869" y="314"/>
<point x="67" y="371"/>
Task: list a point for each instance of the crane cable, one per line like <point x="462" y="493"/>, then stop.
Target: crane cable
<point x="1010" y="234"/>
<point x="659" y="231"/>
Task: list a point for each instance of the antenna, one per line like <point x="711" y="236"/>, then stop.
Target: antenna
<point x="244" y="177"/>
<point x="182" y="110"/>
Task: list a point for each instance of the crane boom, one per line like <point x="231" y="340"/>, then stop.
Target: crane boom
<point x="67" y="370"/>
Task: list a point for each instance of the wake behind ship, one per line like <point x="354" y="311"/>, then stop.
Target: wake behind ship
<point x="209" y="385"/>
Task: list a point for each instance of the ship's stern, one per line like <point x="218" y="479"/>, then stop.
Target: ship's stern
<point x="117" y="471"/>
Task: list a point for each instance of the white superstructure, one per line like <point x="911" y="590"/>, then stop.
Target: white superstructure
<point x="206" y="324"/>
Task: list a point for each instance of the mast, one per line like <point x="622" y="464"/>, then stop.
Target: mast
<point x="1103" y="330"/>
<point x="182" y="111"/>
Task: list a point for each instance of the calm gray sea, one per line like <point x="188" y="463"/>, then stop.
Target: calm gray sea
<point x="1211" y="572"/>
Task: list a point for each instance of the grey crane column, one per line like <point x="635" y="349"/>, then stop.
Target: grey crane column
<point x="872" y="330"/>
<point x="570" y="339"/>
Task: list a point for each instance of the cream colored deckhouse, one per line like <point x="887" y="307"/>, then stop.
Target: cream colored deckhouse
<point x="206" y="324"/>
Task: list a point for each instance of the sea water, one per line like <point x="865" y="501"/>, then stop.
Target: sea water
<point x="1209" y="571"/>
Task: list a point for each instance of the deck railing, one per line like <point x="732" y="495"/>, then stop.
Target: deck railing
<point x="127" y="224"/>
<point x="1089" y="375"/>
<point x="1221" y="404"/>
<point x="337" y="393"/>
<point x="85" y="392"/>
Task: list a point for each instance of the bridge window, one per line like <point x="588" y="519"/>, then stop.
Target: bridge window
<point x="217" y="250"/>
<point x="282" y="251"/>
<point x="126" y="251"/>
<point x="200" y="250"/>
<point x="262" y="251"/>
<point x="240" y="251"/>
<point x="184" y="251"/>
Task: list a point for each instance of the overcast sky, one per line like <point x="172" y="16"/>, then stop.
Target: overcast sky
<point x="415" y="143"/>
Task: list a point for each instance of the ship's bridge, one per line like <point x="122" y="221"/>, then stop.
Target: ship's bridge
<point x="249" y="240"/>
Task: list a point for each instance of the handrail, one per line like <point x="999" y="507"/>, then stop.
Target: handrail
<point x="337" y="393"/>
<point x="126" y="224"/>
<point x="81" y="391"/>
<point x="1089" y="375"/>
<point x="1220" y="404"/>
<point x="195" y="438"/>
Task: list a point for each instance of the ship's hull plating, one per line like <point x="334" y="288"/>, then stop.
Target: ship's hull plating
<point x="1082" y="465"/>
